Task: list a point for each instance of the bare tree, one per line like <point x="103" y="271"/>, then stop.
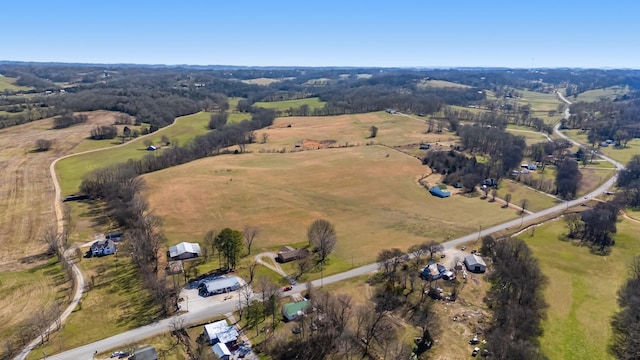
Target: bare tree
<point x="210" y="241"/>
<point x="303" y="265"/>
<point x="52" y="239"/>
<point x="507" y="200"/>
<point x="433" y="247"/>
<point x="244" y="297"/>
<point x="265" y="137"/>
<point x="418" y="250"/>
<point x="322" y="235"/>
<point x="252" y="266"/>
<point x="523" y="204"/>
<point x="494" y="193"/>
<point x="250" y="233"/>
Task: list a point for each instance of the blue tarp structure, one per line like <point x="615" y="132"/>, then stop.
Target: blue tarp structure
<point x="436" y="191"/>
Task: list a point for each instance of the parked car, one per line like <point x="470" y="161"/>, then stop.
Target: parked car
<point x="287" y="288"/>
<point x="442" y="256"/>
<point x="463" y="248"/>
<point x="475" y="351"/>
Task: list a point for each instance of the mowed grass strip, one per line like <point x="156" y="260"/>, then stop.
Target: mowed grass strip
<point x="581" y="290"/>
<point x="312" y="102"/>
<point x="369" y="193"/>
<point x="72" y="170"/>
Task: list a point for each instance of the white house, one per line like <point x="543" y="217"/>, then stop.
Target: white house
<point x="103" y="247"/>
<point x="474" y="263"/>
<point x="219" y="286"/>
<point x="184" y="250"/>
<point x="221" y="332"/>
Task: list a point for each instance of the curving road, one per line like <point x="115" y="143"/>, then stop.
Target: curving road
<point x="86" y="351"/>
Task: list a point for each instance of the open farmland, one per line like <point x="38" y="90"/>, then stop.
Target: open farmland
<point x="8" y="83"/>
<point x="71" y="170"/>
<point x="370" y="194"/>
<point x="622" y="155"/>
<point x="441" y="84"/>
<point x="609" y="93"/>
<point x="581" y="297"/>
<point x="313" y="102"/>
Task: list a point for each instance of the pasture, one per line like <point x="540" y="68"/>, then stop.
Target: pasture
<point x="608" y="93"/>
<point x="312" y="102"/>
<point x="441" y="84"/>
<point x="265" y="81"/>
<point x="537" y="200"/>
<point x="71" y="170"/>
<point x="370" y="193"/>
<point x="8" y="83"/>
<point x="581" y="290"/>
<point x="622" y="155"/>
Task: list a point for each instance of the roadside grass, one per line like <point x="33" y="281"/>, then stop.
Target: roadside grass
<point x="72" y="170"/>
<point x="312" y="102"/>
<point x="592" y="178"/>
<point x="598" y="94"/>
<point x="370" y="206"/>
<point x="581" y="302"/>
<point x="8" y="83"/>
<point x="116" y="300"/>
<point x="537" y="201"/>
<point x="622" y="155"/>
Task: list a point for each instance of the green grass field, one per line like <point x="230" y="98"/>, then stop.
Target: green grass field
<point x="622" y="155"/>
<point x="609" y="93"/>
<point x="313" y="102"/>
<point x="71" y="170"/>
<point x="370" y="205"/>
<point x="581" y="290"/>
<point x="8" y="83"/>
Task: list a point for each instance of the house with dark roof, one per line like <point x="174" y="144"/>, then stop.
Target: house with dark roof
<point x="103" y="247"/>
<point x="290" y="254"/>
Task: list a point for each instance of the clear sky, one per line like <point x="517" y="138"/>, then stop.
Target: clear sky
<point x="517" y="33"/>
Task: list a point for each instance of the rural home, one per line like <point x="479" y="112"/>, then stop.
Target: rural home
<point x="222" y="351"/>
<point x="293" y="310"/>
<point x="437" y="191"/>
<point x="474" y="263"/>
<point x="287" y="253"/>
<point x="103" y="247"/>
<point x="220" y="332"/>
<point x="184" y="250"/>
<point x="218" y="286"/>
<point x="529" y="166"/>
<point x="433" y="271"/>
<point x="145" y="353"/>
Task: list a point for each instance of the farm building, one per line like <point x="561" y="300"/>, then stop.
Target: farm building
<point x="219" y="286"/>
<point x="103" y="247"/>
<point x="474" y="263"/>
<point x="292" y="311"/>
<point x="145" y="353"/>
<point x="222" y="351"/>
<point x="436" y="191"/>
<point x="288" y="253"/>
<point x="433" y="271"/>
<point x="184" y="250"/>
<point x="220" y="332"/>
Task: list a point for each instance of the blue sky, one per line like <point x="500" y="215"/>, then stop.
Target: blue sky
<point x="325" y="33"/>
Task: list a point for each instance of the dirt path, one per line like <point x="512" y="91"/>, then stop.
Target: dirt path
<point x="273" y="266"/>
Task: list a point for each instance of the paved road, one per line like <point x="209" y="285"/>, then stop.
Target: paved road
<point x="86" y="352"/>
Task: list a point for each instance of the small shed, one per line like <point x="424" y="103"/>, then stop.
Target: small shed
<point x="292" y="311"/>
<point x="436" y="191"/>
<point x="184" y="250"/>
<point x="475" y="263"/>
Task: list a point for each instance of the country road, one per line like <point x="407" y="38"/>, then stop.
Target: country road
<point x="86" y="352"/>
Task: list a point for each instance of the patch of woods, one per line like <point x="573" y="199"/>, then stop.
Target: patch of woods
<point x="515" y="299"/>
<point x="65" y="121"/>
<point x="594" y="227"/>
<point x="104" y="132"/>
<point x="629" y="184"/>
<point x="606" y="120"/>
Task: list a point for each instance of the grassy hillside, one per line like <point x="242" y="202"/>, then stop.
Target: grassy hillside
<point x="8" y="83"/>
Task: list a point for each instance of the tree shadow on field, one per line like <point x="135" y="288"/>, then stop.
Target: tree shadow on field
<point x="97" y="212"/>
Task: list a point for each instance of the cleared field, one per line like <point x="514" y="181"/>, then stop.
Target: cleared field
<point x="622" y="155"/>
<point x="537" y="200"/>
<point x="531" y="136"/>
<point x="609" y="93"/>
<point x="441" y="84"/>
<point x="8" y="83"/>
<point x="265" y="81"/>
<point x="592" y="178"/>
<point x="71" y="170"/>
<point x="581" y="301"/>
<point x="313" y="102"/>
<point x="369" y="193"/>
